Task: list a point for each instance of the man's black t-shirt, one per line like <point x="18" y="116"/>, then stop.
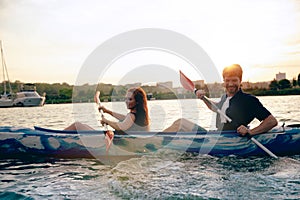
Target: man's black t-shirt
<point x="243" y="108"/>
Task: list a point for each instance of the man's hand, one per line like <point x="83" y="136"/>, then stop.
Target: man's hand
<point x="243" y="130"/>
<point x="200" y="94"/>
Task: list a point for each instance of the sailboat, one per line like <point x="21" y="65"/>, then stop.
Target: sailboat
<point x="6" y="99"/>
<point x="27" y="96"/>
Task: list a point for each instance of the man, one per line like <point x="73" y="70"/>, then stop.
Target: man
<point x="242" y="108"/>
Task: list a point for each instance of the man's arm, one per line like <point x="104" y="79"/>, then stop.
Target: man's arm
<point x="200" y="94"/>
<point x="266" y="125"/>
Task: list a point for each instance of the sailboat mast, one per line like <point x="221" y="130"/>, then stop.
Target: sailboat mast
<point x="5" y="72"/>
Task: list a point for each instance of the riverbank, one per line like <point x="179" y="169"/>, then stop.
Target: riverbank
<point x="266" y="92"/>
<point x="88" y="97"/>
<point x="64" y="93"/>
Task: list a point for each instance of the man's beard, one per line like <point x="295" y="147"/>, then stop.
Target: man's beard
<point x="232" y="89"/>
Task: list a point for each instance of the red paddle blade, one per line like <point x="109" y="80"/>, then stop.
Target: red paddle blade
<point x="96" y="97"/>
<point x="109" y="136"/>
<point x="186" y="82"/>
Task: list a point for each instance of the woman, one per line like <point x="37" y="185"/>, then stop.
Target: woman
<point x="136" y="120"/>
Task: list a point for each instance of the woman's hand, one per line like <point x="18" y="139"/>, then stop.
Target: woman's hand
<point x="105" y="110"/>
<point x="103" y="121"/>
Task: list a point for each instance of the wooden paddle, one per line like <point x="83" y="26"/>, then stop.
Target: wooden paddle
<point x="189" y="85"/>
<point x="109" y="135"/>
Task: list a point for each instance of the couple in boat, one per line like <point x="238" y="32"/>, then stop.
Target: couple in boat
<point x="240" y="107"/>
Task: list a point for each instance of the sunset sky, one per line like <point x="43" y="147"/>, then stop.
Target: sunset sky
<point x="49" y="40"/>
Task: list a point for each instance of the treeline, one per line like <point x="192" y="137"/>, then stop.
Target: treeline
<point x="282" y="87"/>
<point x="65" y="93"/>
<point x="268" y="92"/>
<point x="109" y="92"/>
<point x="284" y="84"/>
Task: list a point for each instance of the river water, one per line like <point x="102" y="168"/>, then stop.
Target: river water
<point x="157" y="176"/>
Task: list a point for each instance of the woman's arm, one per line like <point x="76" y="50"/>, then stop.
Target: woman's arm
<point x="114" y="114"/>
<point x="123" y="125"/>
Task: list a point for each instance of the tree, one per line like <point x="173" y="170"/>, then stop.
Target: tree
<point x="65" y="93"/>
<point x="284" y="83"/>
<point x="294" y="82"/>
<point x="299" y="79"/>
<point x="274" y="85"/>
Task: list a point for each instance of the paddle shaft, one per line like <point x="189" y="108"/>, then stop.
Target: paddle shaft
<point x="97" y="100"/>
<point x="229" y="120"/>
<point x="216" y="108"/>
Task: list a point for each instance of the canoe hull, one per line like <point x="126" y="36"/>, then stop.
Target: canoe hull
<point x="23" y="142"/>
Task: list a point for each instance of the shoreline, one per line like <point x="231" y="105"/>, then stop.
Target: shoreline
<point x="103" y="99"/>
<point x="65" y="93"/>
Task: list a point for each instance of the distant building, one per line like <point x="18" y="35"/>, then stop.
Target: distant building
<point x="215" y="90"/>
<point x="199" y="83"/>
<point x="133" y="85"/>
<point x="180" y="90"/>
<point x="257" y="85"/>
<point x="280" y="76"/>
<point x="168" y="84"/>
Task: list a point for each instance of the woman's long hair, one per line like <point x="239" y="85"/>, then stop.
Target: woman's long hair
<point x="142" y="115"/>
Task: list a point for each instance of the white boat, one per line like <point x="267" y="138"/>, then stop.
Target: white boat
<point x="6" y="99"/>
<point x="28" y="97"/>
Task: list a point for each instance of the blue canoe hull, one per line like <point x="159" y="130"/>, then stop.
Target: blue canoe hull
<point x="22" y="142"/>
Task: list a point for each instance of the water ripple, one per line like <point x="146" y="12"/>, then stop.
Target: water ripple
<point x="165" y="175"/>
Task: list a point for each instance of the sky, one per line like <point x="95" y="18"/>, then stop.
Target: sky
<point x="50" y="41"/>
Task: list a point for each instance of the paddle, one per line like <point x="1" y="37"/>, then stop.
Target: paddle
<point x="189" y="85"/>
<point x="109" y="135"/>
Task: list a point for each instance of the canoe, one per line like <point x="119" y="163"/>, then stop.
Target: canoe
<point x="37" y="141"/>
